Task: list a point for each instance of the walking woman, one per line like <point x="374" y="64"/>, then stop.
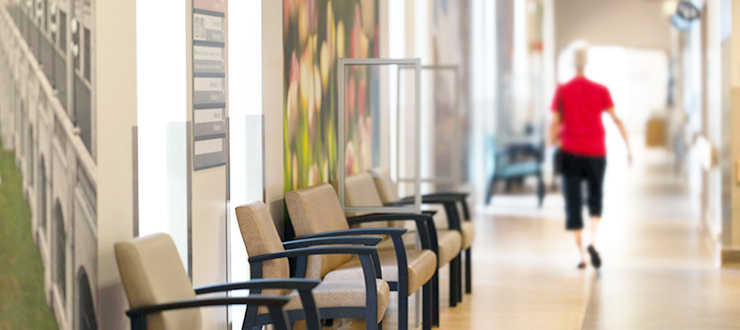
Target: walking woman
<point x="578" y="129"/>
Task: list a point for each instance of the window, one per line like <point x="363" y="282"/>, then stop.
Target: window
<point x="60" y="255"/>
<point x="46" y="15"/>
<point x="88" y="55"/>
<point x="63" y="31"/>
<point x="29" y="140"/>
<point x="42" y="195"/>
<point x="86" y="319"/>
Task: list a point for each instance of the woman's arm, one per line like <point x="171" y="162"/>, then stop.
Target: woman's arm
<point x="622" y="130"/>
<point x="555" y="129"/>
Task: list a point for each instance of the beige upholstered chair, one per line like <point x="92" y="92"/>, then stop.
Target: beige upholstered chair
<point x="360" y="190"/>
<point x="456" y="217"/>
<point x="315" y="212"/>
<point x="336" y="299"/>
<point x="161" y="297"/>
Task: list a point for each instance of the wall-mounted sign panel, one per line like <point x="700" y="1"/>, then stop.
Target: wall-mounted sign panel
<point x="208" y="59"/>
<point x="209" y="122"/>
<point x="209" y="84"/>
<point x="209" y="153"/>
<point x="210" y="5"/>
<point x="208" y="28"/>
<point x="208" y="91"/>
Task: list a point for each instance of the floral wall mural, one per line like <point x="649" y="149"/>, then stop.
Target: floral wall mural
<point x="316" y="34"/>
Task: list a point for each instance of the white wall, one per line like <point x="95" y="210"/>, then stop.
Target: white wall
<point x="272" y="108"/>
<point x="116" y="101"/>
<point x="629" y="23"/>
<point x="161" y="115"/>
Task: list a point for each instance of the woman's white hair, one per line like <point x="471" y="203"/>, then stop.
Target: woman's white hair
<point x="580" y="54"/>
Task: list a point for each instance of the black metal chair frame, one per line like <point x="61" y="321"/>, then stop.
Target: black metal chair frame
<point x="461" y="199"/>
<point x="274" y="304"/>
<point x="299" y="250"/>
<point x="449" y="202"/>
<point x="422" y="222"/>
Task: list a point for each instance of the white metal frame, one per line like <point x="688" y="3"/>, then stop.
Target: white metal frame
<point x="416" y="64"/>
<point x="455" y="179"/>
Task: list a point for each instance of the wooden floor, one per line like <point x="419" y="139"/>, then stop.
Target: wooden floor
<point x="659" y="270"/>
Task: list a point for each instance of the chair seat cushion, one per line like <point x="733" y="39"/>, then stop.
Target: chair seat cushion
<point x="519" y="169"/>
<point x="468" y="231"/>
<point x="449" y="241"/>
<point x="421" y="267"/>
<point x="341" y="294"/>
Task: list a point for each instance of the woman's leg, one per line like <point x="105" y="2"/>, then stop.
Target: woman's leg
<point x="573" y="200"/>
<point x="595" y="176"/>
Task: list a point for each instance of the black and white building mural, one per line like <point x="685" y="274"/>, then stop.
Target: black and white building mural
<point x="47" y="115"/>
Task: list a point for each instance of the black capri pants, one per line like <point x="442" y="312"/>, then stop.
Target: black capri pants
<point x="577" y="168"/>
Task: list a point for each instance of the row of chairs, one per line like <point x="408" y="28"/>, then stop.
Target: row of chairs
<point x="345" y="265"/>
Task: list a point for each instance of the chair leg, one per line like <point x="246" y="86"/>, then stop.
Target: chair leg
<point x="459" y="278"/>
<point x="403" y="312"/>
<point x="138" y="322"/>
<point x="453" y="284"/>
<point x="469" y="270"/>
<point x="403" y="302"/>
<point x="250" y="319"/>
<point x="435" y="299"/>
<point x="426" y="322"/>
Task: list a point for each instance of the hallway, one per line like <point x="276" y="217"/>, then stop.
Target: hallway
<point x="658" y="268"/>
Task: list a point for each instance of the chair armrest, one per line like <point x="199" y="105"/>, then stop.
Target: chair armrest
<point x="430" y="199"/>
<point x="274" y="304"/>
<point x="341" y="240"/>
<point x="300" y="252"/>
<point x="421" y="221"/>
<point x="302" y="285"/>
<point x="261" y="284"/>
<point x="461" y="197"/>
<point x="393" y="232"/>
<point x="344" y="240"/>
<point x="448" y="202"/>
<point x="270" y="301"/>
<point x="368" y="258"/>
<point x="396" y="235"/>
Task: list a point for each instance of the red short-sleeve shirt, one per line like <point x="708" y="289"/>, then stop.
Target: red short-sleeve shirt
<point x="582" y="102"/>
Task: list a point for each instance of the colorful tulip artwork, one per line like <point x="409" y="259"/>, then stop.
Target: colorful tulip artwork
<point x="316" y="34"/>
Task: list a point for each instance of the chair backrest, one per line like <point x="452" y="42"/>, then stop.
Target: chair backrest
<point x="152" y="274"/>
<point x="261" y="237"/>
<point x="359" y="191"/>
<point x="316" y="210"/>
<point x="387" y="189"/>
